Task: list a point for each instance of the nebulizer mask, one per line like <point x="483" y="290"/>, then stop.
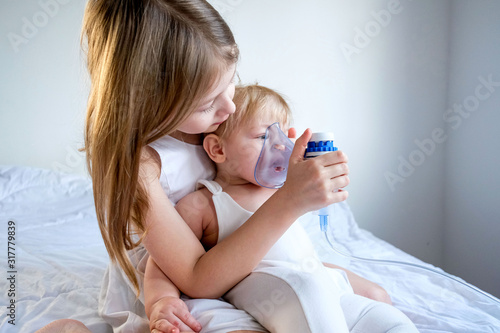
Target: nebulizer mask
<point x="272" y="165"/>
<point x="271" y="169"/>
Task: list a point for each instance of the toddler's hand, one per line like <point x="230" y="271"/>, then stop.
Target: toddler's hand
<point x="312" y="183"/>
<point x="171" y="315"/>
<point x="292" y="134"/>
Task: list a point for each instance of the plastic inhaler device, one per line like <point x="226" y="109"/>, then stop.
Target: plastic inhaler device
<point x="271" y="169"/>
<point x="319" y="144"/>
<point x="272" y="165"/>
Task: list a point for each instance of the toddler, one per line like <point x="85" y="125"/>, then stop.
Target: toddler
<point x="290" y="290"/>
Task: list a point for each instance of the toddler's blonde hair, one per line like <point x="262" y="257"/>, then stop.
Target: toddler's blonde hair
<point x="253" y="102"/>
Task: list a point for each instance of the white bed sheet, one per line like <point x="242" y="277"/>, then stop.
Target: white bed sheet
<point x="60" y="260"/>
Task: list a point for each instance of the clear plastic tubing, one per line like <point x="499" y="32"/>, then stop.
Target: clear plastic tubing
<point x="322" y="143"/>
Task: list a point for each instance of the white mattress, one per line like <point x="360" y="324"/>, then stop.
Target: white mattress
<point x="60" y="259"/>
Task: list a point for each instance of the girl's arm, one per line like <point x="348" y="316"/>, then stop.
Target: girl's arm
<point x="199" y="274"/>
<point x="165" y="310"/>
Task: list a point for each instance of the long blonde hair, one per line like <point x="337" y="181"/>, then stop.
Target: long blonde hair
<point x="150" y="64"/>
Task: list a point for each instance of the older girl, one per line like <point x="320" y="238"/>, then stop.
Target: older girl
<point x="161" y="75"/>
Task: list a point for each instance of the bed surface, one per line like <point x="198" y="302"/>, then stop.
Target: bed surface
<point x="60" y="260"/>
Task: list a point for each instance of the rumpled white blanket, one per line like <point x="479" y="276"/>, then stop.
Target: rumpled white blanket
<point x="60" y="260"/>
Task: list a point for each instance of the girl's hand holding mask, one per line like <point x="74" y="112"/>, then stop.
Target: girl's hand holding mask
<point x="311" y="184"/>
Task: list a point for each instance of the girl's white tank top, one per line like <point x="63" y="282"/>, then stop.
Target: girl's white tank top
<point x="182" y="165"/>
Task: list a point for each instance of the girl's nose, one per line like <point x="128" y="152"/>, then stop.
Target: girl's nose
<point x="227" y="106"/>
<point x="231" y="107"/>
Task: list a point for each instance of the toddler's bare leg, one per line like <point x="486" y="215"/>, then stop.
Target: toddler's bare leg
<point x="368" y="289"/>
<point x="366" y="315"/>
<point x="64" y="326"/>
<point x="364" y="287"/>
<point x="286" y="300"/>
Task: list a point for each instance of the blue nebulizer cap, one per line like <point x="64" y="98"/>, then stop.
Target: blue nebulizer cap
<point x="272" y="165"/>
<point x="319" y="144"/>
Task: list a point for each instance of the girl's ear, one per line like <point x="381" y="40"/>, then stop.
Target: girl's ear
<point x="214" y="147"/>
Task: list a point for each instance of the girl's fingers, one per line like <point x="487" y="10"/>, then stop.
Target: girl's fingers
<point x="318" y="179"/>
<point x="332" y="158"/>
<point x="172" y="325"/>
<point x="163" y="326"/>
<point x="169" y="330"/>
<point x="174" y="318"/>
<point x="188" y="321"/>
<point x="300" y="147"/>
<point x="339" y="195"/>
<point x="339" y="183"/>
<point x="336" y="170"/>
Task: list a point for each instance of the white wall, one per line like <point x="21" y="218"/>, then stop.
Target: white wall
<point x="377" y="101"/>
<point x="42" y="89"/>
<point x="383" y="102"/>
<point x="472" y="185"/>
